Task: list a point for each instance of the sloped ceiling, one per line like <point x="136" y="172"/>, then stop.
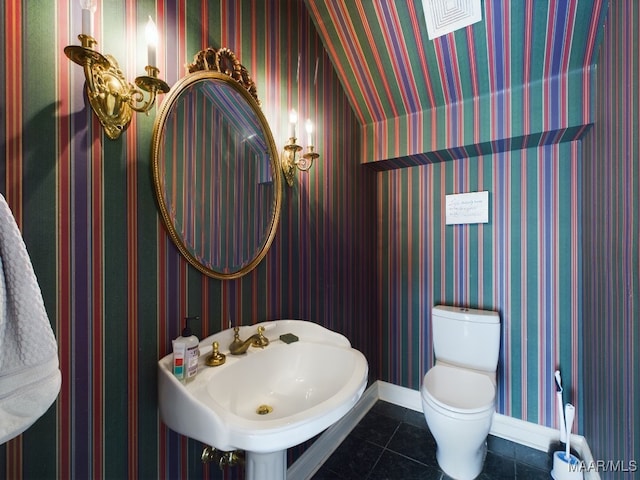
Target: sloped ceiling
<point x="390" y="69"/>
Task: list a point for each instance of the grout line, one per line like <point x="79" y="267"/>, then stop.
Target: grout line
<point x="373" y="467"/>
<point x="386" y="445"/>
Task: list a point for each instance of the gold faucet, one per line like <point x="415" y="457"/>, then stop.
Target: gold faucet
<point x="216" y="358"/>
<point x="238" y="347"/>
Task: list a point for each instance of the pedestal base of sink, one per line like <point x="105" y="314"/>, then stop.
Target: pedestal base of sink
<point x="266" y="466"/>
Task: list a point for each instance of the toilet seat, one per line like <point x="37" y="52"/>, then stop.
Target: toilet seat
<point x="459" y="390"/>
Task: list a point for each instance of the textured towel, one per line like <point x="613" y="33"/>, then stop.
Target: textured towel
<point x="29" y="375"/>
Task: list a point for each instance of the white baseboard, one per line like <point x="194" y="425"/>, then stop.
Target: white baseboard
<point x="519" y="431"/>
<point x="320" y="450"/>
<point x="509" y="428"/>
<point x="405" y="397"/>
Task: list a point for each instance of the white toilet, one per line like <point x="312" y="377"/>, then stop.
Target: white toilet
<point x="458" y="393"/>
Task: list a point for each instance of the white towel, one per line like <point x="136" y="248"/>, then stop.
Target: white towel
<point x="30" y="377"/>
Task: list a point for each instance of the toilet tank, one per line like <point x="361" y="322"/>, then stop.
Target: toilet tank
<point x="466" y="337"/>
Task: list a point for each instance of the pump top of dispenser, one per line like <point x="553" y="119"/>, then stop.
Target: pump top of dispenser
<point x="186" y="331"/>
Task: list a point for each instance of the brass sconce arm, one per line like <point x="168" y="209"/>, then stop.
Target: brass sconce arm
<point x="290" y="161"/>
<point x="111" y="96"/>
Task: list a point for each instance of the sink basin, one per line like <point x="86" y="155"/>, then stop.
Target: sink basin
<point x="265" y="400"/>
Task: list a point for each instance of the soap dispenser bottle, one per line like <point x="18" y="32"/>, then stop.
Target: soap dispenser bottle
<point x="186" y="353"/>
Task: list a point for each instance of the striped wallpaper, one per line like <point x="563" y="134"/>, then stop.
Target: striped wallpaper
<point x="464" y="94"/>
<point x="508" y="104"/>
<point x="525" y="263"/>
<point x="113" y="283"/>
<point x="116" y="288"/>
<point x="611" y="228"/>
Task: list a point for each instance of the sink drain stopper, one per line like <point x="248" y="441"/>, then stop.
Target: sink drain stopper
<point x="264" y="410"/>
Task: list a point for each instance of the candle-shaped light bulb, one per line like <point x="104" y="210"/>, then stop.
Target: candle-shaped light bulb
<point x="293" y="119"/>
<point x="88" y="8"/>
<point x="152" y="42"/>
<point x="309" y="127"/>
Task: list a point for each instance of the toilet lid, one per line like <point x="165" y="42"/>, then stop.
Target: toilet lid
<point x="459" y="390"/>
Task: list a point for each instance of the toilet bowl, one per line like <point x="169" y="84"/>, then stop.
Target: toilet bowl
<point x="458" y="406"/>
<point x="458" y="393"/>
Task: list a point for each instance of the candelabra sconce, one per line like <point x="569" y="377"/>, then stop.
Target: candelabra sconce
<point x="112" y="97"/>
<point x="290" y="159"/>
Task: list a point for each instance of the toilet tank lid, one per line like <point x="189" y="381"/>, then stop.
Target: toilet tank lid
<point x="466" y="314"/>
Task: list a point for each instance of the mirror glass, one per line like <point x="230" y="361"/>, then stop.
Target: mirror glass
<point x="216" y="175"/>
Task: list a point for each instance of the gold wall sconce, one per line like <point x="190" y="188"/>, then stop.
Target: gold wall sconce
<point x="290" y="159"/>
<point x="112" y="97"/>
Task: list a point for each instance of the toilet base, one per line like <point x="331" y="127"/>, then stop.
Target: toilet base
<point x="461" y="439"/>
<point x="460" y="469"/>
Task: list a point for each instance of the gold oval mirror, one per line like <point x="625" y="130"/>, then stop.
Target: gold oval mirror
<point x="215" y="168"/>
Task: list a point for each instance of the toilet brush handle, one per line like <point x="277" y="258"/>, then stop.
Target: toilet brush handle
<point x="560" y="407"/>
<point x="569" y="414"/>
<point x="562" y="427"/>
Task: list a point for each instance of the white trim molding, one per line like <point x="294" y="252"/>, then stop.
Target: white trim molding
<point x="320" y="450"/>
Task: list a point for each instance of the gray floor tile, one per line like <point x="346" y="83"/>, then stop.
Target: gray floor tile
<point x="393" y="442"/>
<point x="393" y="466"/>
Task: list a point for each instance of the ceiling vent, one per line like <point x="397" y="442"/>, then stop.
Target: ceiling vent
<point x="446" y="16"/>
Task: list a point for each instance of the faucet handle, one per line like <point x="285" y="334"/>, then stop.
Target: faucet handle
<point x="261" y="341"/>
<point x="216" y="358"/>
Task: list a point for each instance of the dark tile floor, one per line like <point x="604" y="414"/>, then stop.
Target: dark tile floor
<point x="393" y="442"/>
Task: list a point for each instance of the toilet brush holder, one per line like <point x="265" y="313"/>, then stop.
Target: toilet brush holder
<point x="566" y="468"/>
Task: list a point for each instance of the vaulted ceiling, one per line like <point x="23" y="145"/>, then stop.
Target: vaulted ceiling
<point x="389" y="68"/>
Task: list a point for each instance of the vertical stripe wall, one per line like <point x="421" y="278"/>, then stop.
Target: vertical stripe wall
<point x="525" y="263"/>
<point x="558" y="258"/>
<point x="462" y="94"/>
<point x="611" y="228"/>
<point x="518" y="137"/>
<point x="113" y="283"/>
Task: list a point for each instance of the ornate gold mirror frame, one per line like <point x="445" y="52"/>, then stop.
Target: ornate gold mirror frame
<point x="216" y="169"/>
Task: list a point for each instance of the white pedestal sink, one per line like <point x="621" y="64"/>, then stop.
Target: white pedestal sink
<point x="266" y="400"/>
